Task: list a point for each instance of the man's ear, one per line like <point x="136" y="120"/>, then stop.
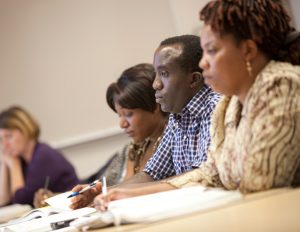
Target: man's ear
<point x="197" y="80"/>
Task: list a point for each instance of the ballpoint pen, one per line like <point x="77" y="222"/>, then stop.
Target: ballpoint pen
<point x="91" y="185"/>
<point x="104" y="187"/>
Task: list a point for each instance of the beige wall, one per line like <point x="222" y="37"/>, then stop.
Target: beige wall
<point x="58" y="57"/>
<point x="295" y="9"/>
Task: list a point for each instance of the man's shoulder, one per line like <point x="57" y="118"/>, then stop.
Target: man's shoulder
<point x="204" y="101"/>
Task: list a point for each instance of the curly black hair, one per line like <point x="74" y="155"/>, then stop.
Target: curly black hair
<point x="264" y="21"/>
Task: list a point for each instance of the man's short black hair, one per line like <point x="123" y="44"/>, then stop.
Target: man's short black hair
<point x="191" y="54"/>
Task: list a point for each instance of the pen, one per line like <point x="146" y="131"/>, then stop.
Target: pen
<point x="91" y="185"/>
<point x="46" y="182"/>
<point x="104" y="187"/>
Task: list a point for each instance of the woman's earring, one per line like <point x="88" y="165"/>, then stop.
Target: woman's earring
<point x="249" y="68"/>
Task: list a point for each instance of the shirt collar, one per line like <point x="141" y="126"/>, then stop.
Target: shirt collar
<point x="197" y="104"/>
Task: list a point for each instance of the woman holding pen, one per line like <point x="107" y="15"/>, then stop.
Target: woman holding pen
<point x="251" y="56"/>
<point x="133" y="99"/>
<point x="26" y="163"/>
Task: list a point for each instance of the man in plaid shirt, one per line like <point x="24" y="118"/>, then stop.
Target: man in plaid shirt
<point x="180" y="90"/>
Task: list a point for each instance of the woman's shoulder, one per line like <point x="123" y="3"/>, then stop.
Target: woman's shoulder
<point x="41" y="146"/>
<point x="45" y="151"/>
<point x="277" y="76"/>
<point x="276" y="70"/>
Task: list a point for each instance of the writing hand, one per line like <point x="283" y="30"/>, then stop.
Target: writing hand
<point x="101" y="201"/>
<point x="40" y="196"/>
<point x="85" y="198"/>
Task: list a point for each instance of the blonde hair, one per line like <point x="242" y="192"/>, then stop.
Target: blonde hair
<point x="16" y="117"/>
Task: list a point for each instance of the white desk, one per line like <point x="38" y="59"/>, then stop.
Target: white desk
<point x="276" y="210"/>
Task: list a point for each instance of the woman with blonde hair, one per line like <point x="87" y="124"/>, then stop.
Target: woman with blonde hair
<point x="26" y="163"/>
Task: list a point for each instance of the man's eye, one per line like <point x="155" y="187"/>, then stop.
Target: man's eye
<point x="164" y="73"/>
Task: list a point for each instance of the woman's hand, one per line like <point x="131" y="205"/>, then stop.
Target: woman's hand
<point x="40" y="196"/>
<point x="101" y="201"/>
<point x="85" y="198"/>
<point x="10" y="161"/>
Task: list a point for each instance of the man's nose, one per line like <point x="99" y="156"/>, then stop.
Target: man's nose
<point x="157" y="84"/>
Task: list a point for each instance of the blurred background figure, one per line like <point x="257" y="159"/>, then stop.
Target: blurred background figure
<point x="27" y="164"/>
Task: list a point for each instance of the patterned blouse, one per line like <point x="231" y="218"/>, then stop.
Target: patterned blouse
<point x="255" y="147"/>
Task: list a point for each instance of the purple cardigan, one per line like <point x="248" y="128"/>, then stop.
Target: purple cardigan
<point x="45" y="162"/>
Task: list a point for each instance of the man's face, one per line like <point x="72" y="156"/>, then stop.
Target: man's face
<point x="172" y="83"/>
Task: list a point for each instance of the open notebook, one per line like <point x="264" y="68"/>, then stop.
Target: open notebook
<point x="147" y="208"/>
<point x="44" y="223"/>
<point x="38" y="220"/>
<point x="12" y="211"/>
<point x="158" y="206"/>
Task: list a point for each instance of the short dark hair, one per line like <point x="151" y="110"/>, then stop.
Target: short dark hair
<point x="133" y="89"/>
<point x="191" y="51"/>
<point x="266" y="22"/>
<point x="15" y="117"/>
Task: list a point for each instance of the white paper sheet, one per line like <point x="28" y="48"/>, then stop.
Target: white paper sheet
<point x="60" y="201"/>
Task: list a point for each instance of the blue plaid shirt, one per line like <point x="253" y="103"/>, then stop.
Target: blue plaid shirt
<point x="186" y="139"/>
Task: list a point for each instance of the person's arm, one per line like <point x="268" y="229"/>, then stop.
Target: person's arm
<point x="141" y="177"/>
<point x="40" y="196"/>
<point x="87" y="197"/>
<point x="137" y="189"/>
<point x="11" y="177"/>
<point x="15" y="173"/>
<point x="5" y="192"/>
<point x="160" y="165"/>
<point x="274" y="157"/>
<point x="205" y="175"/>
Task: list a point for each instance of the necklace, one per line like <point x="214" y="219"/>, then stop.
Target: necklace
<point x="138" y="150"/>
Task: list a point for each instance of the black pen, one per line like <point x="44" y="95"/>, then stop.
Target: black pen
<point x="91" y="185"/>
<point x="46" y="182"/>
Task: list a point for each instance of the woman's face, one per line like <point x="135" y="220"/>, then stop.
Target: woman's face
<point x="13" y="142"/>
<point x="137" y="123"/>
<point x="223" y="62"/>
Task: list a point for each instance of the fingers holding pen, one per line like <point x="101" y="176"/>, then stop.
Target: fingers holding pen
<point x="84" y="198"/>
<point x="101" y="201"/>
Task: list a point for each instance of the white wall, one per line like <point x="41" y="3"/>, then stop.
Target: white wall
<point x="295" y="8"/>
<point x="58" y="57"/>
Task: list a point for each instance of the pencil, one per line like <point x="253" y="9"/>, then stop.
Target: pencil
<point x="47" y="182"/>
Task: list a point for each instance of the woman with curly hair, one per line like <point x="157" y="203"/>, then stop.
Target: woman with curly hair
<point x="251" y="56"/>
